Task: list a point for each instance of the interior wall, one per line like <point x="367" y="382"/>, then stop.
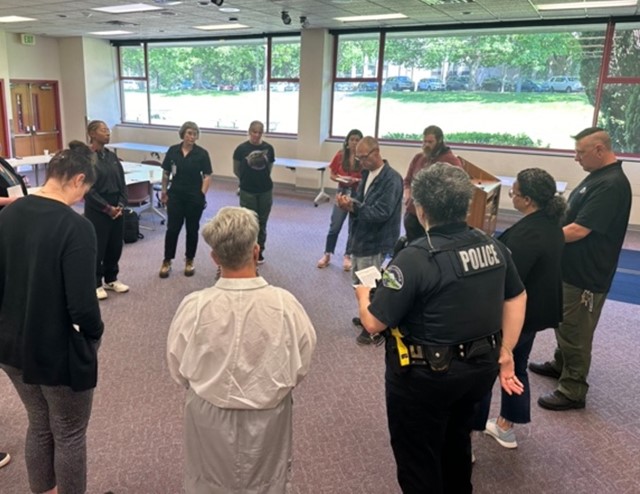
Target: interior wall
<point x="101" y="79"/>
<point x="40" y="61"/>
<point x="6" y="96"/>
<point x="72" y="89"/>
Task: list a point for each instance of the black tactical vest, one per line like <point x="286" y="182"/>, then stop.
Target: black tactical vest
<point x="465" y="302"/>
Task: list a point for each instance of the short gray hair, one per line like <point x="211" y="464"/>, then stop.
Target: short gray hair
<point x="186" y="126"/>
<point x="232" y="235"/>
<point x="444" y="192"/>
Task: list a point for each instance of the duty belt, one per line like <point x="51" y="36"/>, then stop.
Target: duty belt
<point x="438" y="357"/>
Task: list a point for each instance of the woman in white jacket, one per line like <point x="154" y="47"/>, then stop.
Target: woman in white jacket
<point x="239" y="347"/>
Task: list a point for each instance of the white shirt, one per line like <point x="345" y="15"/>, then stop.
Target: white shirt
<point x="372" y="174"/>
<point x="240" y="344"/>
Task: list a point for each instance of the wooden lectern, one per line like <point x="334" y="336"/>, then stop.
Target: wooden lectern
<point x="483" y="212"/>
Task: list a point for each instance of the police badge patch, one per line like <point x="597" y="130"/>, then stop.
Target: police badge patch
<point x="393" y="278"/>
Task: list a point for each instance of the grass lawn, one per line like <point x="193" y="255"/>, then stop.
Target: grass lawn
<point x="547" y="118"/>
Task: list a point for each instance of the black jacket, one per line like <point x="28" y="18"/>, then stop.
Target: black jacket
<point x="536" y="243"/>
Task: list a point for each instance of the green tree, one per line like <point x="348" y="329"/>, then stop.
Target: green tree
<point x="619" y="103"/>
<point x="285" y="60"/>
<point x="356" y="55"/>
<point x="132" y="61"/>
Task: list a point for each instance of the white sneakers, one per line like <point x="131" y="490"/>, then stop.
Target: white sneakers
<point x="115" y="286"/>
<point x="506" y="439"/>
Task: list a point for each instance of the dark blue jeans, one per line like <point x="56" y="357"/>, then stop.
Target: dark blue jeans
<point x="337" y="220"/>
<point x="514" y="408"/>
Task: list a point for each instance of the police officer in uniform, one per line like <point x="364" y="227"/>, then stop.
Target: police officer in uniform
<point x="451" y="305"/>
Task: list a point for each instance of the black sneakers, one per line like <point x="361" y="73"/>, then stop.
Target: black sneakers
<point x="366" y="338"/>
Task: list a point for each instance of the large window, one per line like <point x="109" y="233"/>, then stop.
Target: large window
<point x="217" y="84"/>
<point x="519" y="87"/>
<point x="619" y="101"/>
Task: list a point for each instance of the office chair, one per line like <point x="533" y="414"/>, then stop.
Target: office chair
<point x="156" y="187"/>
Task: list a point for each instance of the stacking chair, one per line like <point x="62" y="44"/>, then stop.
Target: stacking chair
<point x="156" y="187"/>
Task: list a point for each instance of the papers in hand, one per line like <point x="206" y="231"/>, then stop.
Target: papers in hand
<point x="369" y="276"/>
<point x="15" y="191"/>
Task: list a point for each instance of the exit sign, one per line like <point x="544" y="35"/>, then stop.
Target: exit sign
<point x="28" y="39"/>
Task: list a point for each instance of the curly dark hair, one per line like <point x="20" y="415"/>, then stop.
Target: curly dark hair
<point x="540" y="187"/>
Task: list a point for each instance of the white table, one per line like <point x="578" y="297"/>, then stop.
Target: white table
<point x="508" y="182"/>
<point x="139" y="172"/>
<point x="138" y="146"/>
<point x="320" y="166"/>
<point x="33" y="161"/>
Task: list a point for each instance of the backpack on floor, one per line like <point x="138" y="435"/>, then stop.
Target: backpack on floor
<point x="131" y="226"/>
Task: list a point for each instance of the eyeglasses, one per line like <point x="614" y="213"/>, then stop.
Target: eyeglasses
<point x="366" y="156"/>
<point x="513" y="194"/>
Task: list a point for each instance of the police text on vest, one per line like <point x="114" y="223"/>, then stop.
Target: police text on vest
<point x="478" y="258"/>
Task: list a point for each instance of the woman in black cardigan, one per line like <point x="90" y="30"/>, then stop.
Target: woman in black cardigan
<point x="536" y="243"/>
<point x="10" y="179"/>
<point x="50" y="323"/>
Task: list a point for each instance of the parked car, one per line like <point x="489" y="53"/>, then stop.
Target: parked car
<point x="291" y="87"/>
<point x="226" y="86"/>
<point x="495" y="84"/>
<point x="247" y="85"/>
<point x="368" y="86"/>
<point x="345" y="86"/>
<point x="430" y="84"/>
<point x="544" y="86"/>
<point x="398" y="83"/>
<point x="130" y="85"/>
<point x="566" y="84"/>
<point x="186" y="84"/>
<point x="529" y="86"/>
<point x="457" y="83"/>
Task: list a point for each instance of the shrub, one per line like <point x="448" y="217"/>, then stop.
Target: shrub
<point x="495" y="139"/>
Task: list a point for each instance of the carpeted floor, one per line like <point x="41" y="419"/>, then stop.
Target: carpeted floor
<point x="341" y="443"/>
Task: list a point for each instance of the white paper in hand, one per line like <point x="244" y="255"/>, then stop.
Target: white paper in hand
<point x="15" y="191"/>
<point x="369" y="276"/>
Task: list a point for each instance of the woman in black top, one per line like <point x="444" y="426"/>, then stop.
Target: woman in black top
<point x="103" y="206"/>
<point x="252" y="164"/>
<point x="189" y="168"/>
<point x="536" y="243"/>
<point x="9" y="178"/>
<point x="50" y="322"/>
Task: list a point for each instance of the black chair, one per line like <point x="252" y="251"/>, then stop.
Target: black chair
<point x="156" y="187"/>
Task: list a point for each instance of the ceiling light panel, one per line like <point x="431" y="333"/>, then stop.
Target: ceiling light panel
<point x="127" y="9"/>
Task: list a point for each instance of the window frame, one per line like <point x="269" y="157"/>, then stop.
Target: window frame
<point x="147" y="44"/>
<point x="608" y="25"/>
